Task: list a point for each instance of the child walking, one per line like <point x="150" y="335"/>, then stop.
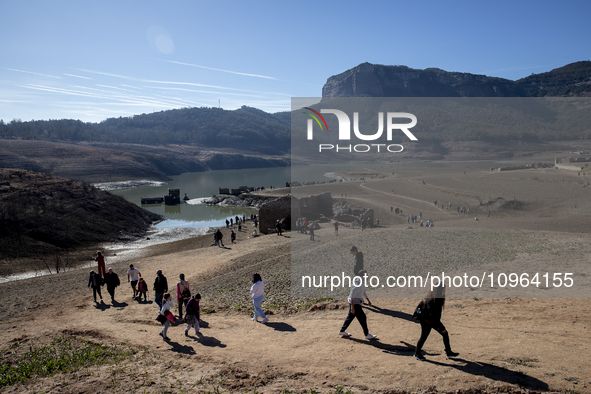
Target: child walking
<point x="192" y="318"/>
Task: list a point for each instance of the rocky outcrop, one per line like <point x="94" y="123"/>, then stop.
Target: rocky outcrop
<point x="242" y="201"/>
<point x="374" y="80"/>
<point x="42" y="214"/>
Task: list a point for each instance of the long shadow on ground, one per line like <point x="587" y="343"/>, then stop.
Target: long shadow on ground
<point x="387" y="348"/>
<point x="495" y="373"/>
<point x="209" y="341"/>
<point x="101" y="306"/>
<point x="117" y="304"/>
<point x="391" y="313"/>
<point x="280" y="326"/>
<point x="178" y="348"/>
<point x="476" y="368"/>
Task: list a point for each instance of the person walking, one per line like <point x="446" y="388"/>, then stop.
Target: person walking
<point x="430" y="318"/>
<point x="336" y="228"/>
<point x="355" y="300"/>
<point x="165" y="310"/>
<point x="358" y="261"/>
<point x="142" y="289"/>
<point x="133" y="275"/>
<point x="278" y="227"/>
<point x="183" y="294"/>
<point x="257" y="292"/>
<point x="233" y="236"/>
<point x="95" y="281"/>
<point x="192" y="318"/>
<point x="100" y="259"/>
<point x="112" y="281"/>
<point x="312" y="231"/>
<point x="160" y="287"/>
<point x="218" y="238"/>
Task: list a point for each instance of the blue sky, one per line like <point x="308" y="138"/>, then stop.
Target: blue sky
<point x="93" y="60"/>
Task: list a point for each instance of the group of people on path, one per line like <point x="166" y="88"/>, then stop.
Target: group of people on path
<point x="429" y="318"/>
<point x="431" y="307"/>
<point x="99" y="279"/>
<point x="187" y="303"/>
<point x="191" y="304"/>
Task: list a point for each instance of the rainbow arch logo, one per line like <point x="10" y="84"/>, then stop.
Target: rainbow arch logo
<point x="316" y="118"/>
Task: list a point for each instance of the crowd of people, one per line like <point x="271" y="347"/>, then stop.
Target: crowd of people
<point x="189" y="310"/>
<point x="188" y="304"/>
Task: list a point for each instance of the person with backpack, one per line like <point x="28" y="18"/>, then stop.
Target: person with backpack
<point x="183" y="294"/>
<point x="430" y="318"/>
<point x="95" y="281"/>
<point x="233" y="236"/>
<point x="165" y="311"/>
<point x="112" y="281"/>
<point x="192" y="318"/>
<point x="257" y="292"/>
<point x="160" y="287"/>
<point x="142" y="289"/>
<point x="355" y="300"/>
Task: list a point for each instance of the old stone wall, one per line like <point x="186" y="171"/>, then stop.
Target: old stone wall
<point x="311" y="207"/>
<point x="271" y="211"/>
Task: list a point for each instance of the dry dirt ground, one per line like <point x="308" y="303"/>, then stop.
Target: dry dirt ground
<point x="506" y="344"/>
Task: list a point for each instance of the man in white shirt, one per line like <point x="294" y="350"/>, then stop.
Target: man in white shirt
<point x="355" y="310"/>
<point x="133" y="275"/>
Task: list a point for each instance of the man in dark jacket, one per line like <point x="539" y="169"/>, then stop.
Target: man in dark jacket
<point x="112" y="281"/>
<point x="95" y="281"/>
<point x="160" y="287"/>
<point x="358" y="262"/>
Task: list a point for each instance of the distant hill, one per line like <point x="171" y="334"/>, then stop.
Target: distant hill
<point x="244" y="129"/>
<point x="148" y="146"/>
<point x="374" y="80"/>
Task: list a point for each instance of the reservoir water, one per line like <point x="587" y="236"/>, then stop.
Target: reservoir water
<point x="200" y="185"/>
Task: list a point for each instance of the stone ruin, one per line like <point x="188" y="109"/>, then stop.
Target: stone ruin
<point x="271" y="211"/>
<point x="288" y="207"/>
<point x="319" y="207"/>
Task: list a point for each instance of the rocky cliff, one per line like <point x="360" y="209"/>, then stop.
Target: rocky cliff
<point x="374" y="80"/>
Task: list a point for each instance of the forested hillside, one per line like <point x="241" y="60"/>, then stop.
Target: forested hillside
<point x="244" y="129"/>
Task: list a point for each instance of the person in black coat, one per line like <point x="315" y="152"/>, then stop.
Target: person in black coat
<point x="278" y="227"/>
<point x="112" y="281"/>
<point x="358" y="262"/>
<point x="95" y="281"/>
<point x="160" y="287"/>
<point x="431" y="319"/>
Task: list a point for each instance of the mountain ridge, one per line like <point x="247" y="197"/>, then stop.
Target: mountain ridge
<point x="376" y="80"/>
